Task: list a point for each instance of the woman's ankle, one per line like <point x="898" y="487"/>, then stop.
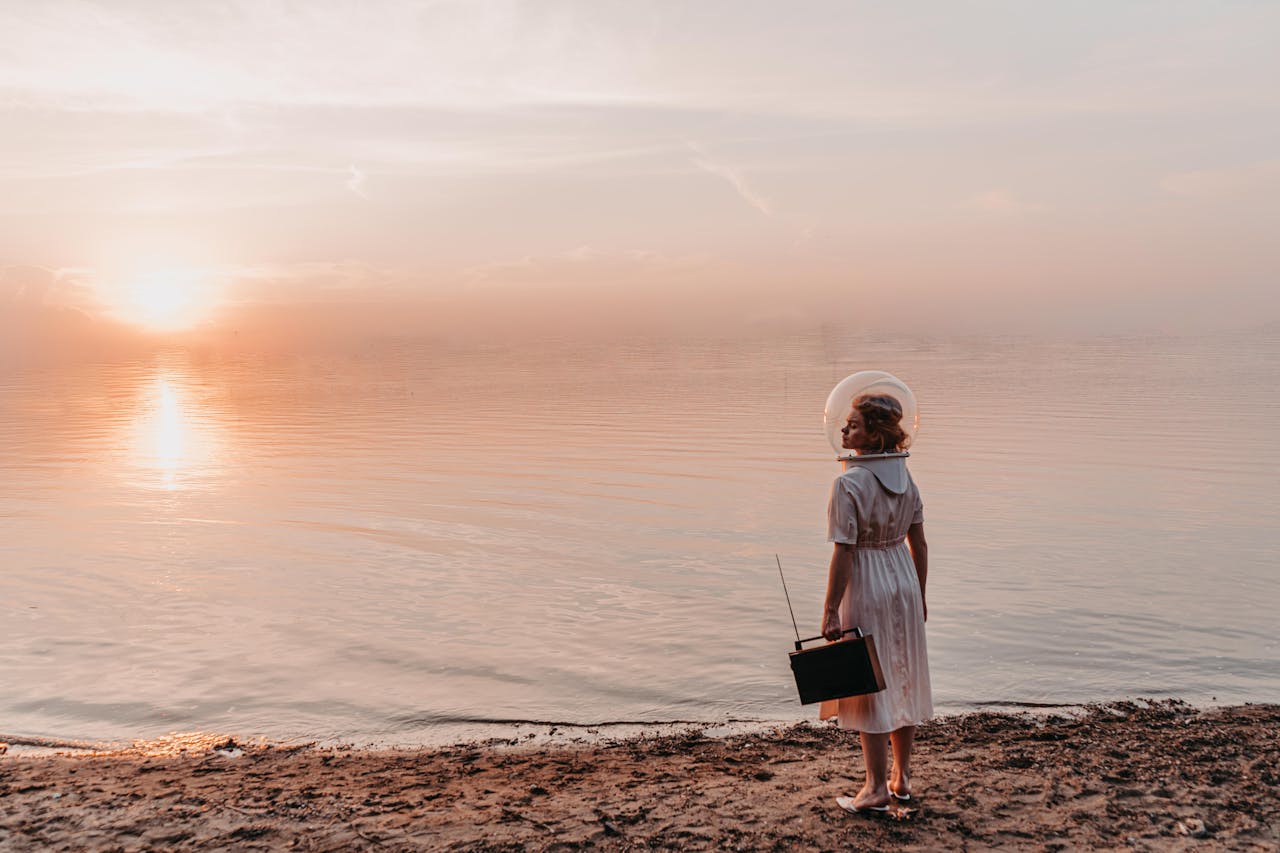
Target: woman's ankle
<point x="870" y="796"/>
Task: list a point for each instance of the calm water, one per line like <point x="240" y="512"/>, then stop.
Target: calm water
<point x="410" y="541"/>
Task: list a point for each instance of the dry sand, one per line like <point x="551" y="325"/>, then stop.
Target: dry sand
<point x="1126" y="776"/>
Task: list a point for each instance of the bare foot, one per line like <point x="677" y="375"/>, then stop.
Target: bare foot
<point x="871" y="798"/>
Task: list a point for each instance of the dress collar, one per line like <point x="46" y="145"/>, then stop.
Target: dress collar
<point x="889" y="468"/>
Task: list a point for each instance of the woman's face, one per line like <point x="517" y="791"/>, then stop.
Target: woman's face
<point x="852" y="436"/>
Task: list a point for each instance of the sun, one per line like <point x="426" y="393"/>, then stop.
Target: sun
<point x="163" y="300"/>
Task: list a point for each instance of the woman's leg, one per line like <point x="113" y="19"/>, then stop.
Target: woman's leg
<point x="875" y="756"/>
<point x="902" y="739"/>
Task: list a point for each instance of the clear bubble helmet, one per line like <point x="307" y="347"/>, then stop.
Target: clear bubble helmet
<point x="840" y="404"/>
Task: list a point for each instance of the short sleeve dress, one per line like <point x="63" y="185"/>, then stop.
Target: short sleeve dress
<point x="872" y="504"/>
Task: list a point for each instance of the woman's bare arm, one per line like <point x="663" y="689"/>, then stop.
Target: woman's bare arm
<point x="837" y="580"/>
<point x="920" y="556"/>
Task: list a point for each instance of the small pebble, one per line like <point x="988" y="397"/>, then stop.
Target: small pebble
<point x="1193" y="827"/>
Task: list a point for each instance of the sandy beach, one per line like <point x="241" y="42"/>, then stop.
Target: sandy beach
<point x="1135" y="776"/>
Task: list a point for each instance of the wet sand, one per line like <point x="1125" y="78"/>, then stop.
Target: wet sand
<point x="1125" y="776"/>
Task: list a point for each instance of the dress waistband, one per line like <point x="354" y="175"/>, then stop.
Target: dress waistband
<point x="881" y="544"/>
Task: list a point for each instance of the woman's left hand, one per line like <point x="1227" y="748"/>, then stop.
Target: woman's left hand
<point x="831" y="625"/>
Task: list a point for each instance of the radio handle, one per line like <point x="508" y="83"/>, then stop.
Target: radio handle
<point x="857" y="632"/>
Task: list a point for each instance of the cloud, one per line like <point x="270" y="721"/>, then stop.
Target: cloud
<point x="1000" y="203"/>
<point x="26" y="284"/>
<point x="584" y="263"/>
<point x="736" y="180"/>
<point x="1261" y="177"/>
<point x="30" y="284"/>
<point x="310" y="280"/>
<point x="357" y="182"/>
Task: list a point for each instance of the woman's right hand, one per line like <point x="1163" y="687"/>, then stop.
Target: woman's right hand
<point x="831" y="625"/>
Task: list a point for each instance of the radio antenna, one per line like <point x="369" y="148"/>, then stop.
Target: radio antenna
<point x="788" y="595"/>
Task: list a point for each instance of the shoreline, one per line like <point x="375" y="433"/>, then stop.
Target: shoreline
<point x="1152" y="775"/>
<point x="551" y="733"/>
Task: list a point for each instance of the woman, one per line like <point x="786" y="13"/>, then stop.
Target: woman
<point x="876" y="582"/>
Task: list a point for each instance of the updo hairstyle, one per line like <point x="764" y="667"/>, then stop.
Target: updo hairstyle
<point x="882" y="423"/>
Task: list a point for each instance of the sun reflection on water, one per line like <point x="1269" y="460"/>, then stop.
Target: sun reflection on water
<point x="175" y="435"/>
<point x="170" y="431"/>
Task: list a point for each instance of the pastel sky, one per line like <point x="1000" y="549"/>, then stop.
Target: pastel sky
<point x="551" y="164"/>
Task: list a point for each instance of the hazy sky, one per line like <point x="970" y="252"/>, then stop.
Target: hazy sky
<point x="1011" y="165"/>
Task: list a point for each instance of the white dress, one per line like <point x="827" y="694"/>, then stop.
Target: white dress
<point x="872" y="504"/>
